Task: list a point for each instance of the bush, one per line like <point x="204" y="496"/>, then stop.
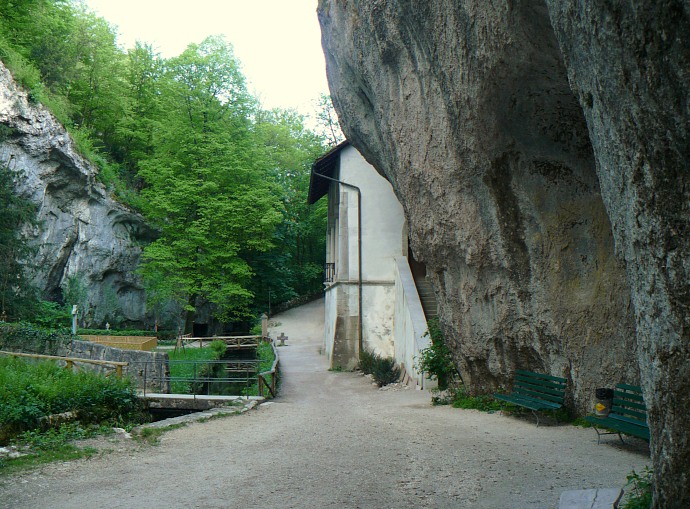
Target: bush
<point x="437" y="360"/>
<point x="483" y="402"/>
<point x="32" y="390"/>
<point x="385" y="371"/>
<point x="366" y="362"/>
<point x="382" y="369"/>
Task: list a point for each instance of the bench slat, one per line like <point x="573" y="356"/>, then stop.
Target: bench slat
<point x="554" y="391"/>
<point x="536" y="391"/>
<point x="538" y="394"/>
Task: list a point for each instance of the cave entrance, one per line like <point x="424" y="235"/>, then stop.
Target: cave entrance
<point x="199" y="330"/>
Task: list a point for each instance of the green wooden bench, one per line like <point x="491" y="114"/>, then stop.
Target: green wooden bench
<point x="536" y="391"/>
<point x="628" y="414"/>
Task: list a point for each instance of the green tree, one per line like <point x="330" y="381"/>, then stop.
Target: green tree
<point x="328" y="125"/>
<point x="17" y="297"/>
<point x="295" y="265"/>
<point x="204" y="192"/>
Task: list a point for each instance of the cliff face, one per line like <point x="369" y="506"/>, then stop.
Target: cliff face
<point x="83" y="232"/>
<point x="515" y="134"/>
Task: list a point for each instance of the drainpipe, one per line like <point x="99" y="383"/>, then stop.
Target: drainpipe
<point x="359" y="246"/>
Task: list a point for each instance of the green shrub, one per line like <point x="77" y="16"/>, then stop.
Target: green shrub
<point x="27" y="337"/>
<point x="32" y="390"/>
<point x="437" y="360"/>
<point x="385" y="371"/>
<point x="187" y="372"/>
<point x="483" y="402"/>
<point x="639" y="494"/>
<point x="52" y="315"/>
<point x="366" y="362"/>
<point x="382" y="369"/>
<point x="113" y="332"/>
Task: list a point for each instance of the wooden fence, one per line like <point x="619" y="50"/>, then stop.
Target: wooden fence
<point x="144" y="343"/>
<point x="274" y="375"/>
<point x="69" y="361"/>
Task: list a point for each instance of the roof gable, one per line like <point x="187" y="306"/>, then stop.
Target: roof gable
<point x="324" y="165"/>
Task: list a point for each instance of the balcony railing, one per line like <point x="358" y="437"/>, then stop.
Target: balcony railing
<point x="329" y="273"/>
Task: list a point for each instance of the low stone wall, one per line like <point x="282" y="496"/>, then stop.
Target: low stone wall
<point x="142" y="366"/>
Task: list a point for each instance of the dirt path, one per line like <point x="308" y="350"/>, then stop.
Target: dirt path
<point x="333" y="441"/>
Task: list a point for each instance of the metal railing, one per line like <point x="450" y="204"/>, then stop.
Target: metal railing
<point x="200" y="377"/>
<point x="329" y="272"/>
<point x="70" y="361"/>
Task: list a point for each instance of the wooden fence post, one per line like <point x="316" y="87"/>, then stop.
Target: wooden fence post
<point x="264" y="326"/>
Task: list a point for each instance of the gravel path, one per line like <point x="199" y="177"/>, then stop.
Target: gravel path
<point x="332" y="440"/>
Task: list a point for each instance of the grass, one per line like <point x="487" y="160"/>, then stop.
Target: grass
<point x="189" y="371"/>
<point x="42" y="447"/>
<point x="152" y="436"/>
<point x="266" y="356"/>
<point x="638" y="490"/>
<point x="31" y="391"/>
<point x="484" y="402"/>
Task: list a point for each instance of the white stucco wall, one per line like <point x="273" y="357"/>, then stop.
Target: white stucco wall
<point x="382" y="218"/>
<point x="382" y="222"/>
<point x="331" y="312"/>
<point x="379" y="307"/>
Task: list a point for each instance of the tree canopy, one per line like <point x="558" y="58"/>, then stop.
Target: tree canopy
<point x="222" y="181"/>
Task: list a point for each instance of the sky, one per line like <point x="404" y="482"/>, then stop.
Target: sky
<point x="278" y="42"/>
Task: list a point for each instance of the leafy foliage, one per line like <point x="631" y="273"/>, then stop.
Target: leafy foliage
<point x="484" y="402"/>
<point x="382" y="369"/>
<point x="186" y="372"/>
<point x="32" y="390"/>
<point x="366" y="363"/>
<point x="639" y="494"/>
<point x="17" y="297"/>
<point x="223" y="182"/>
<point x="437" y="360"/>
<point x="30" y="338"/>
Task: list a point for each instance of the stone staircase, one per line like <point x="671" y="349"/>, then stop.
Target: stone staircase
<point x="427" y="296"/>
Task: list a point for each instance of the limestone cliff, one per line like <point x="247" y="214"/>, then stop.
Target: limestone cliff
<point x="540" y="151"/>
<point x="83" y="231"/>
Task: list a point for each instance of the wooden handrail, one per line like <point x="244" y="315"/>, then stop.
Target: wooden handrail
<point x="274" y="369"/>
<point x="70" y="360"/>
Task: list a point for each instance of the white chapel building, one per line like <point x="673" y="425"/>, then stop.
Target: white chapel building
<point x="371" y="297"/>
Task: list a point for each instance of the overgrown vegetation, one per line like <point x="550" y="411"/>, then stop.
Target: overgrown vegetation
<point x="484" y="402"/>
<point x="184" y="373"/>
<point x="28" y="337"/>
<point x="639" y="490"/>
<point x="437" y="360"/>
<point x="222" y="181"/>
<point x="382" y="369"/>
<point x="32" y="391"/>
<point x="55" y="444"/>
